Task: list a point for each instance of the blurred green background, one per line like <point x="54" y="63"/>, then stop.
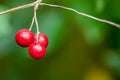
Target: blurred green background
<point x="79" y="48"/>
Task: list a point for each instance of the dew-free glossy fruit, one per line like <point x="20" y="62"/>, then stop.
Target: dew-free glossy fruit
<point x="42" y="39"/>
<point x="24" y="37"/>
<point x="37" y="51"/>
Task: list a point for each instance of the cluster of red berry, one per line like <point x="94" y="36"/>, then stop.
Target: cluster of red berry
<point x="36" y="43"/>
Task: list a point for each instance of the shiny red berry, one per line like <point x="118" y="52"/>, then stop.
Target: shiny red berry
<point x="24" y="37"/>
<point x="37" y="51"/>
<point x="42" y="39"/>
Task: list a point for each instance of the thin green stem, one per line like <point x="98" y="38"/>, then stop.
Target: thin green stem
<point x="32" y="23"/>
<point x="35" y="16"/>
<point x="36" y="22"/>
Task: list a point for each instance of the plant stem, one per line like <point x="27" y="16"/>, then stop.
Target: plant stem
<point x="18" y="8"/>
<point x="32" y="24"/>
<point x="67" y="8"/>
<point x="35" y="16"/>
<point x="83" y="14"/>
<point x="36" y="22"/>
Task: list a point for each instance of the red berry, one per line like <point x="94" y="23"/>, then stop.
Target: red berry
<point x="24" y="37"/>
<point x="36" y="50"/>
<point x="42" y="39"/>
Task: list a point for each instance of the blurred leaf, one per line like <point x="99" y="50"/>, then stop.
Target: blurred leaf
<point x="93" y="32"/>
<point x="83" y="6"/>
<point x="4" y="22"/>
<point x="97" y="73"/>
<point x="100" y="5"/>
<point x="112" y="10"/>
<point x="114" y="38"/>
<point x="5" y="31"/>
<point x="111" y="59"/>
